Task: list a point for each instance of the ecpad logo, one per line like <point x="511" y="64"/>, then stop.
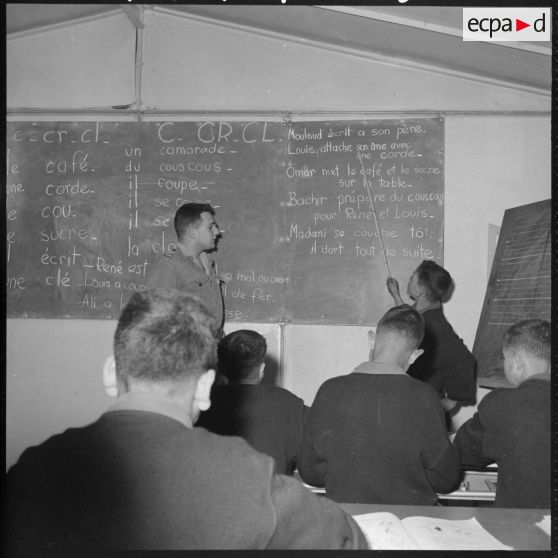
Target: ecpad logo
<point x="506" y="24"/>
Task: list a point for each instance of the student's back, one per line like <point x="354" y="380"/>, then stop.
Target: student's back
<point x="516" y="423"/>
<point x="142" y="477"/>
<point x="271" y="419"/>
<point x="139" y="480"/>
<point x="512" y="425"/>
<point x="377" y="435"/>
<point x="380" y="438"/>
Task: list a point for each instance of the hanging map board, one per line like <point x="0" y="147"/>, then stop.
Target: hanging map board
<point x="519" y="286"/>
<point x="90" y="209"/>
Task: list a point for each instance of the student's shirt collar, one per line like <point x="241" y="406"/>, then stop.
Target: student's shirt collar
<point x="545" y="377"/>
<point x="434" y="306"/>
<point x="379" y="368"/>
<point x="152" y="403"/>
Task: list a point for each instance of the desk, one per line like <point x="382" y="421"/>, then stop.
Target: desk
<point x="513" y="527"/>
<point x="476" y="485"/>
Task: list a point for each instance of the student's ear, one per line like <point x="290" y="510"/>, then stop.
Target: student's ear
<point x="261" y="373"/>
<point x="414" y="355"/>
<point x="519" y="366"/>
<point x="109" y="377"/>
<point x="202" y="394"/>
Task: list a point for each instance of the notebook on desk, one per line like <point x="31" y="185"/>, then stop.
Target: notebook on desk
<point x="385" y="531"/>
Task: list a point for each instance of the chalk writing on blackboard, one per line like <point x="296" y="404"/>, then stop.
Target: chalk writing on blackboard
<point x="90" y="209"/>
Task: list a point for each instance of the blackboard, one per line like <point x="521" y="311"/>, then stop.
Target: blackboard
<point x="90" y="207"/>
<point x="519" y="286"/>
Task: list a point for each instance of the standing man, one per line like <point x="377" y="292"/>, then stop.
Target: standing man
<point x="190" y="268"/>
<point x="446" y="364"/>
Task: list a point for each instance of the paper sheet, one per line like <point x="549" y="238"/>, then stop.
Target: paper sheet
<point x="384" y="531"/>
<point x="544" y="524"/>
<point x="450" y="534"/>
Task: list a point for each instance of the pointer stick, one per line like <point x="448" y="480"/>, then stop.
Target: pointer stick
<point x="375" y="218"/>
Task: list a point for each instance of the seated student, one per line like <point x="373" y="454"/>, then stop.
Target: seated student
<point x="141" y="477"/>
<point x="268" y="417"/>
<point x="446" y="363"/>
<point x="512" y="426"/>
<point x="377" y="435"/>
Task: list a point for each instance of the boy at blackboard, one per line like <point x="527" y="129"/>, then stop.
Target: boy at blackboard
<point x="446" y="363"/>
<point x="512" y="426"/>
<point x="142" y="477"/>
<point x="190" y="268"/>
<point x="268" y="417"/>
<point x="377" y="435"/>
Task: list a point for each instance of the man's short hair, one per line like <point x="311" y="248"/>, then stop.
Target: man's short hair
<point x="189" y="214"/>
<point x="532" y="336"/>
<point x="406" y="322"/>
<point x="164" y="336"/>
<point x="239" y="353"/>
<point x="435" y="280"/>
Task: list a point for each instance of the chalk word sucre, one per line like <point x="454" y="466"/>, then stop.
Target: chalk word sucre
<point x="219" y="132"/>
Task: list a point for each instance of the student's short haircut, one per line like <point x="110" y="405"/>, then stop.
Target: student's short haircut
<point x="532" y="336"/>
<point x="405" y="321"/>
<point x="239" y="353"/>
<point x="435" y="280"/>
<point x="164" y="336"/>
<point x="188" y="214"/>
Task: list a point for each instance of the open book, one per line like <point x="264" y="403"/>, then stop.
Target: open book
<point x="385" y="531"/>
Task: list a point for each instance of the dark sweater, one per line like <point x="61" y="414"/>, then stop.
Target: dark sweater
<point x="378" y="438"/>
<point x="446" y="364"/>
<point x="269" y="418"/>
<point x="141" y="480"/>
<point x="512" y="428"/>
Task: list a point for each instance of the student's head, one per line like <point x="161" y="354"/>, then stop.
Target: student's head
<point x="398" y="335"/>
<point x="430" y="281"/>
<point x="526" y="350"/>
<point x="164" y="342"/>
<point x="196" y="221"/>
<point x="241" y="356"/>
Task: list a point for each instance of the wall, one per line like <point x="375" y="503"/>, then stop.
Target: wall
<point x="491" y="163"/>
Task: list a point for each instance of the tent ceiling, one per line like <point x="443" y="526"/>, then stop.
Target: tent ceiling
<point x="421" y="35"/>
